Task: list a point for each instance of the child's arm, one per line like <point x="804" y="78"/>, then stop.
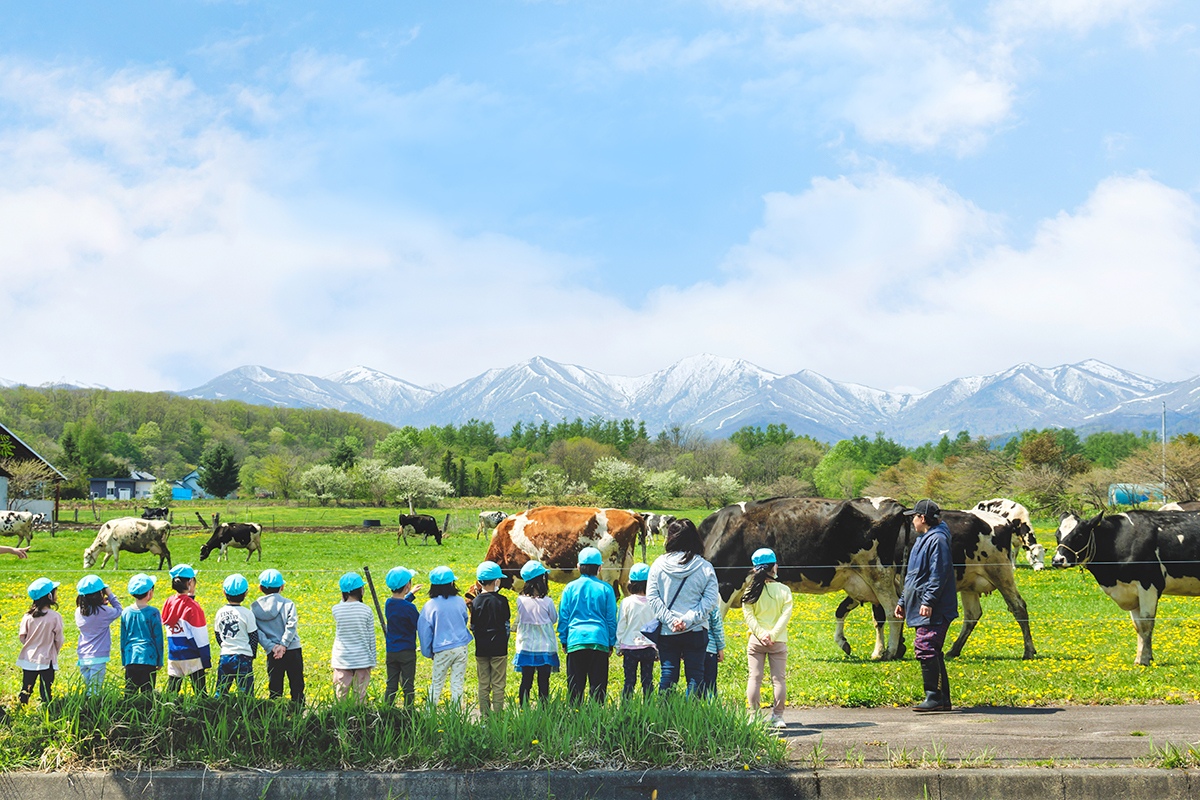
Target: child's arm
<point x="785" y="616"/>
<point x="23" y="630"/>
<point x="157" y="629"/>
<point x="291" y="625"/>
<point x="124" y="639"/>
<point x="217" y="629"/>
<point x="253" y="636"/>
<point x="59" y="635"/>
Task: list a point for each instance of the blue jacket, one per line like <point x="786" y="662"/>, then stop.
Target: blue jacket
<point x="930" y="579"/>
<point x="442" y="625"/>
<point x="587" y="614"/>
<point x="141" y="636"/>
<point x="401" y="617"/>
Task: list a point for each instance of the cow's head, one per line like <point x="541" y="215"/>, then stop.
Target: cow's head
<point x="89" y="558"/>
<point x="1076" y="540"/>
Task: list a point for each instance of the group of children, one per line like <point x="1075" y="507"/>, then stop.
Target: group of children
<point x="590" y="627"/>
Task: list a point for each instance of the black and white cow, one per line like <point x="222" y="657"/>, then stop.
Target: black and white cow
<point x="225" y="535"/>
<point x="422" y="525"/>
<point x="822" y="545"/>
<point x="132" y="534"/>
<point x="155" y="512"/>
<point x="656" y="524"/>
<point x="981" y="545"/>
<point x="1023" y="532"/>
<point x="488" y="520"/>
<point x="18" y="524"/>
<point x="1136" y="557"/>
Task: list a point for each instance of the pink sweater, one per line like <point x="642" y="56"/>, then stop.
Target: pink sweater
<point x="41" y="638"/>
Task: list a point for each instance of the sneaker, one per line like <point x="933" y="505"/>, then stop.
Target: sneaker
<point x="777" y="722"/>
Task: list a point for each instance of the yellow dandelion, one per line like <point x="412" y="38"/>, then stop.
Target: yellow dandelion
<point x="535" y="741"/>
<point x="745" y="766"/>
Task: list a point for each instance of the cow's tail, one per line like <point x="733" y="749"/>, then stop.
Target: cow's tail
<point x="641" y="534"/>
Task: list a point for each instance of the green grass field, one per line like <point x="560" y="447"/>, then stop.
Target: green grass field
<point x="1085" y="643"/>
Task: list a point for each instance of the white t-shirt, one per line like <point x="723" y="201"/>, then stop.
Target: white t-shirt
<point x="233" y="626"/>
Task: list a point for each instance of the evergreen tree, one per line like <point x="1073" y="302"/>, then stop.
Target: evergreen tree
<point x="497" y="478"/>
<point x="477" y="484"/>
<point x="219" y="470"/>
<point x="448" y="468"/>
<point x="460" y="488"/>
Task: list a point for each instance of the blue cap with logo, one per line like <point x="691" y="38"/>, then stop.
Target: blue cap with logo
<point x="398" y="577"/>
<point x="531" y="570"/>
<point x="590" y="555"/>
<point x="639" y="572"/>
<point x="90" y="583"/>
<point x="183" y="571"/>
<point x="141" y="583"/>
<point x="763" y="556"/>
<point x="236" y="584"/>
<point x="350" y="581"/>
<point x="488" y="571"/>
<point x="270" y="578"/>
<point x="41" y="587"/>
<point x="441" y="575"/>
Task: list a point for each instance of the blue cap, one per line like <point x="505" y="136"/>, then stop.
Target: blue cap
<point x="590" y="555"/>
<point x="141" y="583"/>
<point x="440" y="575"/>
<point x="763" y="556"/>
<point x="639" y="572"/>
<point x="531" y="570"/>
<point x="488" y="571"/>
<point x="270" y="578"/>
<point x="398" y="577"/>
<point x="42" y="587"/>
<point x="236" y="584"/>
<point x="350" y="581"/>
<point x="183" y="571"/>
<point x="90" y="583"/>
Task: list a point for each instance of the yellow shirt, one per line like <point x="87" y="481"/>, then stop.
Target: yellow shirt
<point x="770" y="615"/>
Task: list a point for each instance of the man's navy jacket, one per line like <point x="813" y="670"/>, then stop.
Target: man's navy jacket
<point x="930" y="579"/>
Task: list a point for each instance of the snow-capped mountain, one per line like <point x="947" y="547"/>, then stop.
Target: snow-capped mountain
<point x="720" y="395"/>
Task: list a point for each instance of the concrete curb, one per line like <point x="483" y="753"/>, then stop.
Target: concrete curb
<point x="856" y="784"/>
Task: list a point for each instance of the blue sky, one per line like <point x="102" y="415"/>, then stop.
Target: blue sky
<point x="433" y="189"/>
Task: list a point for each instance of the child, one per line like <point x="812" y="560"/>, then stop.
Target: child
<point x="279" y="636"/>
<point x="237" y="634"/>
<point x="715" y="653"/>
<point x="141" y="636"/>
<point x="188" y="653"/>
<point x="401" y="617"/>
<point x="537" y="652"/>
<point x="767" y="607"/>
<point x="442" y="627"/>
<point x="587" y="628"/>
<point x="490" y="616"/>
<point x="353" y="655"/>
<point x="637" y="650"/>
<point x="96" y="608"/>
<point x="41" y="637"/>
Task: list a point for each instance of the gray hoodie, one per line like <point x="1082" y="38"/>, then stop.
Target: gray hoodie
<point x="277" y="622"/>
<point x="696" y="600"/>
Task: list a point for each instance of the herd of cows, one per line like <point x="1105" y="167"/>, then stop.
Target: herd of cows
<point x="859" y="547"/>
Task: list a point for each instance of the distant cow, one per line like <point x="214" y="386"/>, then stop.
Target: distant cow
<point x="156" y="512"/>
<point x="225" y="535"/>
<point x="554" y="535"/>
<point x="1136" y="557"/>
<point x="655" y="524"/>
<point x="18" y="524"/>
<point x="1186" y="505"/>
<point x="1010" y="509"/>
<point x="488" y="520"/>
<point x="422" y="525"/>
<point x="132" y="534"/>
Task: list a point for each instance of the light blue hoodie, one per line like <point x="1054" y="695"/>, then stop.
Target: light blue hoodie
<point x="697" y="598"/>
<point x="443" y="625"/>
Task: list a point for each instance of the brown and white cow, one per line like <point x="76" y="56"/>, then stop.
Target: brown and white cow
<point x="554" y="535"/>
<point x="1186" y="505"/>
<point x="18" y="524"/>
<point x="133" y="534"/>
<point x="1023" y="530"/>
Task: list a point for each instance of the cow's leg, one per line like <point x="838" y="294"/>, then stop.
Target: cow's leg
<point x="1143" y="623"/>
<point x="105" y="561"/>
<point x="972" y="613"/>
<point x="839" y="627"/>
<point x="883" y="586"/>
<point x="1016" y="604"/>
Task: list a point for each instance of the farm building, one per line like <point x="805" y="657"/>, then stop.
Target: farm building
<point x="135" y="486"/>
<point x="45" y="499"/>
<point x="188" y="488"/>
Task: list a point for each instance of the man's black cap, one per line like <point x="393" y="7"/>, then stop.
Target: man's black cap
<point x="924" y="508"/>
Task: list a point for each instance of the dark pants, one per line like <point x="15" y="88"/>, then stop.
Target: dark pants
<point x="928" y="642"/>
<point x="199" y="680"/>
<point x="709" y="689"/>
<point x="643" y="658"/>
<point x="291" y="666"/>
<point x="587" y="667"/>
<point x="139" y="678"/>
<point x="232" y="668"/>
<point x="543" y="681"/>
<point x="401" y="673"/>
<point x="30" y="677"/>
<point x="682" y="650"/>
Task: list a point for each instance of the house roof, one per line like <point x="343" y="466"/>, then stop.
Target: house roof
<point x="141" y="475"/>
<point x="23" y="451"/>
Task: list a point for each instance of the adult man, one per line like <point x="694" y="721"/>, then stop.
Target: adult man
<point x="930" y="601"/>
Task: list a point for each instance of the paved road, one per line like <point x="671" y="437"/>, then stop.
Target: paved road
<point x="1070" y="735"/>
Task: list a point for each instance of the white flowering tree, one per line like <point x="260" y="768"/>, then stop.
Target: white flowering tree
<point x="325" y="482"/>
<point x="411" y="483"/>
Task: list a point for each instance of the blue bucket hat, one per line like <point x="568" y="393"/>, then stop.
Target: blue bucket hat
<point x="183" y="571"/>
<point x="639" y="572"/>
<point x="488" y="571"/>
<point x="42" y="587"/>
<point x="531" y="570"/>
<point x="397" y="578"/>
<point x="590" y="555"/>
<point x="763" y="556"/>
<point x="350" y="581"/>
<point x="90" y="583"/>
<point x="270" y="578"/>
<point x="441" y="575"/>
<point x="141" y="583"/>
<point x="236" y="584"/>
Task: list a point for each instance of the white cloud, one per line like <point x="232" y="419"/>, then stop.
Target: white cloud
<point x="1077" y="16"/>
<point x="837" y="9"/>
<point x="641" y="53"/>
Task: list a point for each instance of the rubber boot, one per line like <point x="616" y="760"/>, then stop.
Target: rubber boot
<point x="930" y="673"/>
<point x="944" y="685"/>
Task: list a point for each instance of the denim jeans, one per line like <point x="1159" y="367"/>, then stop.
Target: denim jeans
<point x="682" y="650"/>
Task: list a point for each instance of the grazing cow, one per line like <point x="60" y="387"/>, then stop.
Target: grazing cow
<point x="225" y="535"/>
<point x="554" y="535"/>
<point x="132" y="534"/>
<point x="1010" y="509"/>
<point x="981" y="545"/>
<point x="488" y="520"/>
<point x="822" y="546"/>
<point x="422" y="525"/>
<point x="155" y="512"/>
<point x="1186" y="505"/>
<point x="655" y="524"/>
<point x="18" y="524"/>
<point x="1136" y="557"/>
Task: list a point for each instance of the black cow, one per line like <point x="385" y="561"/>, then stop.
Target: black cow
<point x="233" y="534"/>
<point x="822" y="546"/>
<point x="422" y="524"/>
<point x="156" y="512"/>
<point x="1136" y="557"/>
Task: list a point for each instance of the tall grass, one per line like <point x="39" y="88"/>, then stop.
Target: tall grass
<point x="108" y="731"/>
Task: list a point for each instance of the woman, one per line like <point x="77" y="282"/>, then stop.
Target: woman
<point x="682" y="590"/>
